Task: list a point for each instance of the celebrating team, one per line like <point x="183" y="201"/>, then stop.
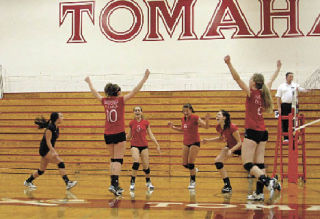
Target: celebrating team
<point x="251" y="149"/>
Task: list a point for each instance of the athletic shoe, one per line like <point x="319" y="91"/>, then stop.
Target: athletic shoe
<point x="256" y="197"/>
<point x="30" y="185"/>
<point x="149" y="186"/>
<point x="132" y="186"/>
<point x="192" y="185"/>
<point x="117" y="191"/>
<point x="226" y="189"/>
<point x="277" y="186"/>
<point x="71" y="184"/>
<point x="273" y="184"/>
<point x="120" y="189"/>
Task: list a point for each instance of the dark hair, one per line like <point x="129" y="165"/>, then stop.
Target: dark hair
<point x="288" y="73"/>
<point x="43" y="123"/>
<point x="259" y="86"/>
<point x="189" y="106"/>
<point x="111" y="90"/>
<point x="227" y="122"/>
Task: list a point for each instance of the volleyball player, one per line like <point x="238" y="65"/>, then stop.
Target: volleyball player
<point x="47" y="151"/>
<point x="229" y="133"/>
<point x="258" y="100"/>
<point x="139" y="127"/>
<point x="191" y="139"/>
<point x="114" y="134"/>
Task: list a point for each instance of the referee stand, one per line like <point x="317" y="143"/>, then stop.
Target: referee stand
<point x="296" y="138"/>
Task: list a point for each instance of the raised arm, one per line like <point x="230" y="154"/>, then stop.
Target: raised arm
<point x="153" y="139"/>
<point x="236" y="76"/>
<point x="205" y="124"/>
<point x="92" y="89"/>
<point x="138" y="87"/>
<point x="170" y="124"/>
<point x="275" y="75"/>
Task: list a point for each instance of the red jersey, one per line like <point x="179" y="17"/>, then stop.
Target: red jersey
<point x="227" y="134"/>
<point x="114" y="110"/>
<point x="254" y="108"/>
<point x="190" y="130"/>
<point x="139" y="132"/>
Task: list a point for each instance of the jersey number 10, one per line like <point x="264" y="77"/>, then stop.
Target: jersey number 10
<point x="112" y="115"/>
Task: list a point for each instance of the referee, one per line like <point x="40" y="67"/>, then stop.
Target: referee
<point x="284" y="96"/>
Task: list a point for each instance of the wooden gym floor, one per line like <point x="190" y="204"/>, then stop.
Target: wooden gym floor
<point x="170" y="199"/>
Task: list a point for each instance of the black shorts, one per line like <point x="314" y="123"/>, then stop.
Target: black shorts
<point x="237" y="152"/>
<point x="43" y="150"/>
<point x="115" y="138"/>
<point x="257" y="136"/>
<point x="196" y="144"/>
<point x="141" y="148"/>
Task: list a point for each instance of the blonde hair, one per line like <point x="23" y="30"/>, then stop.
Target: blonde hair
<point x="258" y="79"/>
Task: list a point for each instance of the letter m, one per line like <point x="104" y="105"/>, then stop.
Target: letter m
<point x="181" y="10"/>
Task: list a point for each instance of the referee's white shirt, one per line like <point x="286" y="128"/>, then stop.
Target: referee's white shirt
<point x="285" y="91"/>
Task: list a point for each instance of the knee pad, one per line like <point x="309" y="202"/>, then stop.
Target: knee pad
<point x="135" y="165"/>
<point x="40" y="172"/>
<point x="146" y="171"/>
<point x="191" y="166"/>
<point x="260" y="165"/>
<point x="117" y="160"/>
<point x="248" y="166"/>
<point x="61" y="165"/>
<point x="219" y="165"/>
<point x="186" y="166"/>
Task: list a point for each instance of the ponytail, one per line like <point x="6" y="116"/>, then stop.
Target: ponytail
<point x="41" y="122"/>
<point x="266" y="96"/>
<point x="265" y="93"/>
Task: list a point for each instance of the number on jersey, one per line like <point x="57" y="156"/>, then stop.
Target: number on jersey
<point x="112" y="115"/>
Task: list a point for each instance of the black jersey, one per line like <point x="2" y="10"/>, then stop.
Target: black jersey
<point x="44" y="149"/>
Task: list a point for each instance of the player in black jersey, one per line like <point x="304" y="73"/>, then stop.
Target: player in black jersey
<point x="47" y="151"/>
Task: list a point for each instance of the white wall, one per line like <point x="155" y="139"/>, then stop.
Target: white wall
<point x="35" y="53"/>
